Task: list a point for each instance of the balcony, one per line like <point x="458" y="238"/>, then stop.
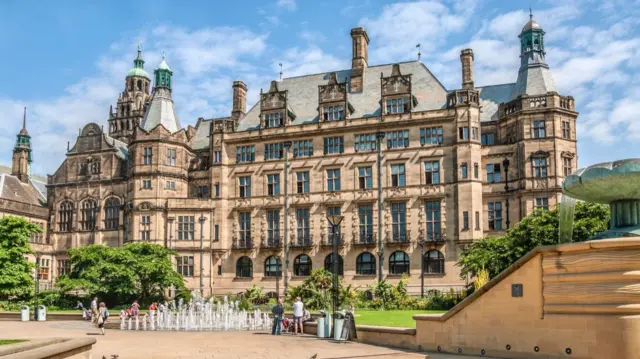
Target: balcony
<point x="434" y="238"/>
<point x="242" y="243"/>
<point x="273" y="242"/>
<point x="301" y="242"/>
<point x="399" y="238"/>
<point x="328" y="241"/>
<point x="365" y="239"/>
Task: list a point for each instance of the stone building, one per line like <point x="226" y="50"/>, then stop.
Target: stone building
<point x="417" y="171"/>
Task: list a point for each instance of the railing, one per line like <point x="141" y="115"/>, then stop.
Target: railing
<point x="242" y="243"/>
<point x="399" y="238"/>
<point x="462" y="97"/>
<point x="434" y="237"/>
<point x="365" y="239"/>
<point x="328" y="241"/>
<point x="274" y="242"/>
<point x="302" y="242"/>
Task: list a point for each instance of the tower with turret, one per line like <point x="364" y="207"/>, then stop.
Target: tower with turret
<point x="21" y="161"/>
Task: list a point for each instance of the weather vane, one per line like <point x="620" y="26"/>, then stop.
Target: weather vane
<point x="280" y="71"/>
<point x="419" y="53"/>
<point x="530" y="13"/>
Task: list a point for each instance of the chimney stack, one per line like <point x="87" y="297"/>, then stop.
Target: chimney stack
<point x="360" y="41"/>
<point x="466" y="57"/>
<point x="239" y="100"/>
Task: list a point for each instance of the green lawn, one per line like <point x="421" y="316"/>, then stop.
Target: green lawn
<point x="10" y="341"/>
<point x="390" y="318"/>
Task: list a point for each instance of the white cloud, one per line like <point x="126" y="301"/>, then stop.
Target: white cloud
<point x="287" y="4"/>
<point x="310" y="60"/>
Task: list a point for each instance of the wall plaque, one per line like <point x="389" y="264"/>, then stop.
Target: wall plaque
<point x="516" y="290"/>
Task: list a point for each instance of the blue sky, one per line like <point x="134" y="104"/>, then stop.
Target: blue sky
<point x="66" y="60"/>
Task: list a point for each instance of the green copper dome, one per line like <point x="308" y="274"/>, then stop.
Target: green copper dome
<point x="138" y="66"/>
<point x="138" y="72"/>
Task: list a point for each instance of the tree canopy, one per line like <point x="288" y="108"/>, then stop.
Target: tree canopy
<point x="139" y="271"/>
<point x="495" y="254"/>
<point x="16" y="275"/>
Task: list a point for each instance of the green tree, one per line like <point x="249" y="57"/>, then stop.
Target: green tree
<point x="15" y="271"/>
<point x="495" y="254"/>
<point x="139" y="271"/>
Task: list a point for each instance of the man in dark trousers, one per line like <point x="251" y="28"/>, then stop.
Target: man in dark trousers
<point x="278" y="312"/>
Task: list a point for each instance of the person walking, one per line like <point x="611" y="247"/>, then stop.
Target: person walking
<point x="298" y="314"/>
<point x="135" y="309"/>
<point x="102" y="316"/>
<point x="278" y="312"/>
<point x="94" y="310"/>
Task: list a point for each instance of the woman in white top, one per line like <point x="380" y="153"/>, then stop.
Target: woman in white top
<point x="298" y="313"/>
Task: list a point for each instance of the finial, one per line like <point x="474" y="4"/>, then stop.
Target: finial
<point x="68" y="146"/>
<point x="419" y="54"/>
<point x="530" y="13"/>
<point x="163" y="55"/>
<point x="24" y="119"/>
<point x="280" y="71"/>
<point x="139" y="46"/>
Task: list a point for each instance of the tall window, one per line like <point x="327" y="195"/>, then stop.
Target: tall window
<point x="463" y="133"/>
<point x="273" y="120"/>
<point x="171" y="157"/>
<point x="333" y="145"/>
<point x="476" y="171"/>
<point x="302" y="184"/>
<point x="398" y="263"/>
<point x="474" y="133"/>
<point x="302" y="266"/>
<point x="304" y="232"/>
<point x="433" y="262"/>
<point x="399" y="221"/>
<point x="244" y="267"/>
<point x="89" y="209"/>
<point x="245" y="154"/>
<point x="333" y="180"/>
<point x="477" y="220"/>
<point x="364" y="178"/>
<point x="201" y="191"/>
<point x="217" y="157"/>
<point x="365" y="213"/>
<point x="397" y="175"/>
<point x="245" y="229"/>
<point x="397" y="105"/>
<point x="542" y="203"/>
<point x="465" y="220"/>
<point x="64" y="267"/>
<point x="397" y="139"/>
<point x="272" y="267"/>
<point x="365" y="264"/>
<point x="44" y="269"/>
<point x="216" y="189"/>
<point x="273" y="226"/>
<point x="432" y="172"/>
<point x="147" y="155"/>
<point x="464" y="171"/>
<point x="487" y="138"/>
<point x="493" y="172"/>
<point x="538" y="129"/>
<point x="365" y="142"/>
<point x="145" y="228"/>
<point x="185" y="265"/>
<point x="495" y="215"/>
<point x="431" y="136"/>
<point x="333" y="113"/>
<point x="328" y="264"/>
<point x="65" y="217"/>
<point x="333" y="211"/>
<point x="186" y="228"/>
<point x="273" y="184"/>
<point x="433" y="219"/>
<point x="566" y="129"/>
<point x="273" y="151"/>
<point x="303" y="148"/>
<point x="539" y="167"/>
<point x="244" y="189"/>
<point x="112" y="213"/>
<point x="567" y="166"/>
<point x="146" y="184"/>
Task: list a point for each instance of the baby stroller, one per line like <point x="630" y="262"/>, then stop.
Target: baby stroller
<point x="287" y="325"/>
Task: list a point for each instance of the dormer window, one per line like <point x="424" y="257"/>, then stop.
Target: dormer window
<point x="332" y="100"/>
<point x="396" y="92"/>
<point x="274" y="109"/>
<point x="273" y="119"/>
<point x="397" y="105"/>
<point x="333" y="113"/>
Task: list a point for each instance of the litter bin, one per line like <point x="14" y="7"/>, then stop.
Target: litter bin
<point x="24" y="313"/>
<point x="42" y="313"/>
<point x="327" y="325"/>
<point x="320" y="328"/>
<point x="338" y="323"/>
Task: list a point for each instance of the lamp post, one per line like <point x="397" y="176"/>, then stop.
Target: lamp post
<point x="379" y="137"/>
<point x="170" y="220"/>
<point x="505" y="165"/>
<point x="287" y="145"/>
<point x="422" y="242"/>
<point x="335" y="237"/>
<point x="202" y="219"/>
<point x="37" y="288"/>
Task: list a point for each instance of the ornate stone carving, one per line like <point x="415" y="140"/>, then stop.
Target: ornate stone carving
<point x="397" y="83"/>
<point x="333" y="91"/>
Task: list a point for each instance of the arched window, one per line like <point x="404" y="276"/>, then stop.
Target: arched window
<point x="88" y="215"/>
<point x="65" y="217"/>
<point x="302" y="266"/>
<point x="366" y="264"/>
<point x="244" y="267"/>
<point x="328" y="264"/>
<point x="272" y="267"/>
<point x="399" y="263"/>
<point x="112" y="213"/>
<point x="139" y="85"/>
<point x="433" y="262"/>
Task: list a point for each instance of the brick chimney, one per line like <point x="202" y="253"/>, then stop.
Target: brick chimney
<point x="239" y="100"/>
<point x="466" y="57"/>
<point x="360" y="41"/>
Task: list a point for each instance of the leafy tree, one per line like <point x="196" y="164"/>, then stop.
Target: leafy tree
<point x="118" y="275"/>
<point x="15" y="271"/>
<point x="495" y="254"/>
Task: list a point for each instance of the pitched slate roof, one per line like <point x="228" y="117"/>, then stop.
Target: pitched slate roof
<point x="491" y="97"/>
<point x="161" y="111"/>
<point x="533" y="80"/>
<point x="121" y="147"/>
<point x="201" y="140"/>
<point x="12" y="188"/>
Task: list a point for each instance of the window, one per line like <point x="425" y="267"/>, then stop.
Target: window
<point x="273" y="184"/>
<point x="493" y="172"/>
<point x="83" y="169"/>
<point x="488" y="138"/>
<point x="245" y="154"/>
<point x="365" y="142"/>
<point x="202" y="192"/>
<point x="216" y="189"/>
<point x="398" y="139"/>
<point x="216" y="232"/>
<point x="433" y="262"/>
<point x="399" y="222"/>
<point x="333" y="180"/>
<point x="244" y="267"/>
<point x="302" y="266"/>
<point x="431" y="136"/>
<point x="64" y="267"/>
<point x="217" y="156"/>
<point x="170" y="185"/>
<point x="365" y="180"/>
<point x="476" y="171"/>
<point x="245" y="229"/>
<point x="146" y="184"/>
<point x="539" y="167"/>
<point x="495" y="215"/>
<point x="465" y="220"/>
<point x="328" y="264"/>
<point x="186" y="228"/>
<point x="43" y="270"/>
<point x="273" y="151"/>
<point x="474" y="133"/>
<point x="245" y="187"/>
<point x="432" y="172"/>
<point x="145" y="228"/>
<point x="398" y="263"/>
<point x="303" y="148"/>
<point x="272" y="267"/>
<point x="147" y="155"/>
<point x="333" y="211"/>
<point x="185" y="265"/>
<point x="273" y="120"/>
<point x="365" y="213"/>
<point x="477" y="220"/>
<point x="433" y="220"/>
<point x="366" y="264"/>
<point x="95" y="166"/>
<point x="463" y="133"/>
<point x="303" y="230"/>
<point x="89" y="209"/>
<point x="273" y="226"/>
<point x="397" y="175"/>
<point x="538" y="129"/>
<point x="303" y="182"/>
<point x="566" y="129"/>
<point x="333" y="113"/>
<point x="542" y="203"/>
<point x="397" y="105"/>
<point x="112" y="213"/>
<point x="37" y="237"/>
<point x="65" y="217"/>
<point x="333" y="145"/>
<point x="171" y="157"/>
<point x="465" y="172"/>
<point x="567" y="166"/>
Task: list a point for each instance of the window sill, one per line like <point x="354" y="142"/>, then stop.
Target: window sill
<point x="397" y="275"/>
<point x="433" y="275"/>
<point x="299" y="276"/>
<point x="364" y="276"/>
<point x="243" y="278"/>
